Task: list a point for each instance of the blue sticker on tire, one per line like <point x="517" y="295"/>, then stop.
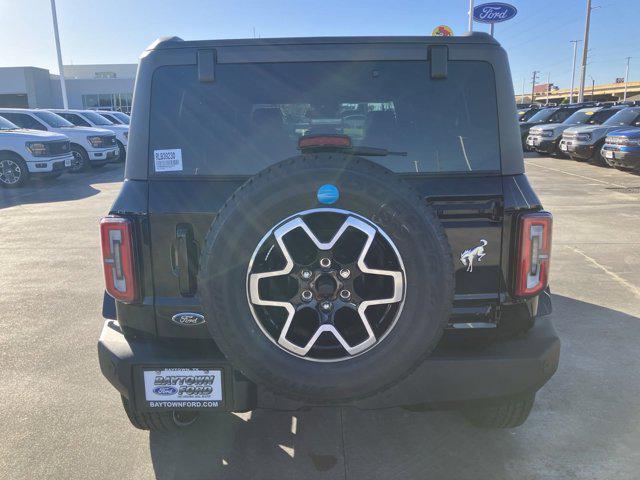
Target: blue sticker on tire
<point x="328" y="194"/>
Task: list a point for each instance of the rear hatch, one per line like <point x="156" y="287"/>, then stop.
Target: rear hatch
<point x="207" y="138"/>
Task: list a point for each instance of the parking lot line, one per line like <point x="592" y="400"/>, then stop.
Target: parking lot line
<point x="575" y="175"/>
<point x="635" y="290"/>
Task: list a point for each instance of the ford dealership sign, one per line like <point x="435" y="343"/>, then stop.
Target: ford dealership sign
<point x="494" y="12"/>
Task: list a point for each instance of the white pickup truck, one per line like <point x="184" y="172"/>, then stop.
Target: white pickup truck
<point x="24" y="153"/>
<point x="90" y="118"/>
<point x="89" y="146"/>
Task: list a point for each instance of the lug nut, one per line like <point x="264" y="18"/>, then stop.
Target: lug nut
<point x="325" y="262"/>
<point x="345" y="272"/>
<point x="307" y="295"/>
<point x="345" y="294"/>
<point x="306" y="274"/>
<point x="325" y="305"/>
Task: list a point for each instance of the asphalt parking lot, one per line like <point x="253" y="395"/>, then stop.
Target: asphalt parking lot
<point x="61" y="419"/>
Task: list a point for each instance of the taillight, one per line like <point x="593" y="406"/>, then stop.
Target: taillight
<point x="116" y="234"/>
<point x="323" y="141"/>
<point x="534" y="253"/>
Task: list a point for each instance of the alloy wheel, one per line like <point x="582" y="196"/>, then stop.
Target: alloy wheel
<point x="77" y="163"/>
<point x="10" y="172"/>
<point x="326" y="285"/>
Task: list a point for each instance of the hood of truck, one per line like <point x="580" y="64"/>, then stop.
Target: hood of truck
<point x="117" y="129"/>
<point x="632" y="133"/>
<point x="596" y="131"/>
<point x="558" y="128"/>
<point x="85" y="131"/>
<point x="36" y="135"/>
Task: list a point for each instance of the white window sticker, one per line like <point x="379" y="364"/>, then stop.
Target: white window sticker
<point x="168" y="160"/>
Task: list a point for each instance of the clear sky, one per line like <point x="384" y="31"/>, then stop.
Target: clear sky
<point x="116" y="31"/>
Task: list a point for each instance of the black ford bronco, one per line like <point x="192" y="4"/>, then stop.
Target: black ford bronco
<point x="326" y="221"/>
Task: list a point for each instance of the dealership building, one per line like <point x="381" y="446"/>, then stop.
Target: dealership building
<point x="108" y="87"/>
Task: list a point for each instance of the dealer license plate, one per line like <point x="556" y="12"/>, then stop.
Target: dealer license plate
<point x="183" y="388"/>
<point x="608" y="154"/>
<point x="67" y="162"/>
<point x="563" y="147"/>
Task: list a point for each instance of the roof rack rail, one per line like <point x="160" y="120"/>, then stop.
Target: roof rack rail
<point x="629" y="103"/>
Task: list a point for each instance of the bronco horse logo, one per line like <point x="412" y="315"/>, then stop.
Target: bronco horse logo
<point x="468" y="256"/>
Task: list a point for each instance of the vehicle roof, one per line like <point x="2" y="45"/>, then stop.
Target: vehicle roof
<point x="71" y="110"/>
<point x="176" y="42"/>
<point x="22" y="110"/>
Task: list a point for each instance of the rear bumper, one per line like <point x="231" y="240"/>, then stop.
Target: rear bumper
<point x="444" y="380"/>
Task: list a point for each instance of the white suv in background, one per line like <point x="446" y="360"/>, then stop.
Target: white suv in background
<point x="89" y="146"/>
<point x="24" y="153"/>
<point x="90" y="118"/>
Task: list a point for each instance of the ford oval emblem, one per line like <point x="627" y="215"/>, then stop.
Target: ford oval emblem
<point x="328" y="194"/>
<point x="494" y="12"/>
<point x="188" y="319"/>
<point x="165" y="390"/>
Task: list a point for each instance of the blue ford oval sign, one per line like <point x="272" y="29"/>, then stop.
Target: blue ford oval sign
<point x="328" y="194"/>
<point x="494" y="12"/>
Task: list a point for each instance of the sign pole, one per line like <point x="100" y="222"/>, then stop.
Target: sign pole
<point x="626" y="80"/>
<point x="491" y="31"/>
<point x="585" y="50"/>
<point x="573" y="68"/>
<point x="63" y="87"/>
<point x="471" y="15"/>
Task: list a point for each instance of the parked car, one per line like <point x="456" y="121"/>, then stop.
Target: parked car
<point x="118" y="118"/>
<point x="584" y="143"/>
<point x="26" y="153"/>
<point x="291" y="270"/>
<point x="547" y="115"/>
<point x="526" y="112"/>
<point x="89" y="118"/>
<point x="547" y="138"/>
<point x="91" y="147"/>
<point x="621" y="149"/>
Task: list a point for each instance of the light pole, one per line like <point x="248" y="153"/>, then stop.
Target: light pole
<point x="533" y="84"/>
<point x="593" y="88"/>
<point x="63" y="87"/>
<point x="548" y="87"/>
<point x="573" y="68"/>
<point x="626" y="80"/>
<point x="585" y="47"/>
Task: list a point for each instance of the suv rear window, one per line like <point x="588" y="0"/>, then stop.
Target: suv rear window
<point x="253" y="114"/>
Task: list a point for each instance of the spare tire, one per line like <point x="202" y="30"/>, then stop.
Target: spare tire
<point x="326" y="278"/>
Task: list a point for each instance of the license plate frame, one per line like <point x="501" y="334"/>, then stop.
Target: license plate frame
<point x="609" y="154"/>
<point x="183" y="388"/>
